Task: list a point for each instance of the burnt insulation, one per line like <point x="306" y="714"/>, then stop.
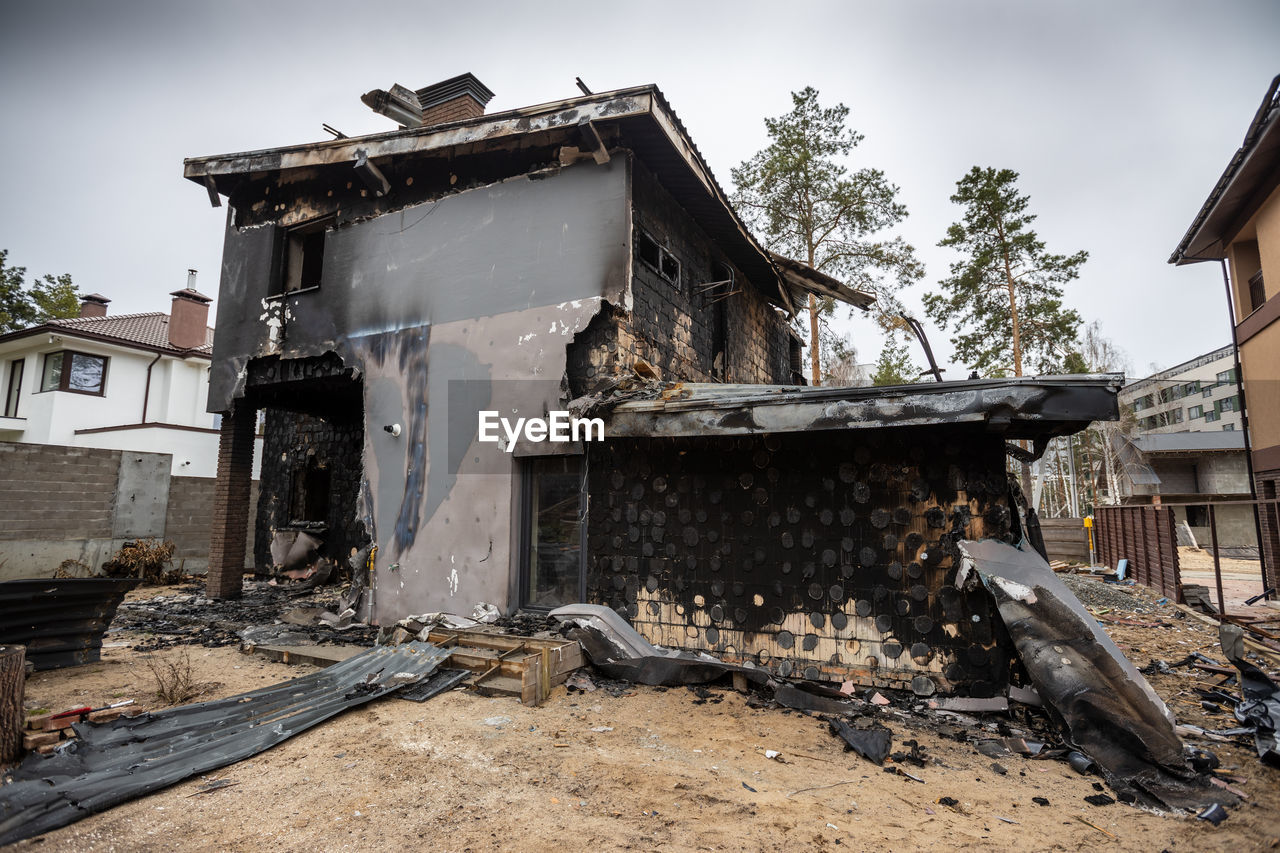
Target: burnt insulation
<point x="824" y="554"/>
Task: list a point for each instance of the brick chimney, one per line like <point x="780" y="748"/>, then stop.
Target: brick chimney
<point x="93" y="305"/>
<point x="457" y="98"/>
<point x="189" y="316"/>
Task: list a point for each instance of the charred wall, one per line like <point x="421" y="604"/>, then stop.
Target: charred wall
<point x="311" y="474"/>
<point x="687" y="328"/>
<point x="822" y="554"/>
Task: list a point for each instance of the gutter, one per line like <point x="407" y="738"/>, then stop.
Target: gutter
<point x="1242" y="154"/>
<point x="146" y="388"/>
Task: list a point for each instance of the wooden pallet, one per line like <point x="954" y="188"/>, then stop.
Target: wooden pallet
<point x="506" y="665"/>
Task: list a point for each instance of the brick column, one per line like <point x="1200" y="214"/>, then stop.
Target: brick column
<point x="231" y="502"/>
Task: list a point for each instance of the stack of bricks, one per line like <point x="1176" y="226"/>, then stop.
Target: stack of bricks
<point x="455" y="109"/>
<point x="45" y="731"/>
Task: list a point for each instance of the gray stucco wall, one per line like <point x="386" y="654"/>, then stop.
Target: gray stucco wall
<point x="489" y="285"/>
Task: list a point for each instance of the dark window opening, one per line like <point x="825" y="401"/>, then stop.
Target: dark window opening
<point x="16" y="368"/>
<point x="304" y="256"/>
<point x="718" y="293"/>
<point x="552" y="570"/>
<point x="797" y="360"/>
<point x="670" y="268"/>
<point x="648" y="250"/>
<point x="309" y="501"/>
<point x="662" y="261"/>
<point x="1197" y="516"/>
<point x="74" y="371"/>
<point x="1257" y="292"/>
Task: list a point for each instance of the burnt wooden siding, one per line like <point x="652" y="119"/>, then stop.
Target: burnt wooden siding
<point x="827" y="556"/>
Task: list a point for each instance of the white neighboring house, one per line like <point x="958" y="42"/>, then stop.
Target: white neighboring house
<point x="127" y="382"/>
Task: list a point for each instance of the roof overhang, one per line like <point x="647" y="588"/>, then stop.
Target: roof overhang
<point x="646" y="123"/>
<point x="1024" y="408"/>
<point x="801" y="280"/>
<point x="1249" y="179"/>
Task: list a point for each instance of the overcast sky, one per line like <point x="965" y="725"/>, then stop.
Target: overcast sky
<point x="1119" y="116"/>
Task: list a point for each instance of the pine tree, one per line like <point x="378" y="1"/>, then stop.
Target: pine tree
<point x="1004" y="298"/>
<point x="47" y="297"/>
<point x="894" y="367"/>
<point x="803" y="202"/>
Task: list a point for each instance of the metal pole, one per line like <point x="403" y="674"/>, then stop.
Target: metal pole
<point x="1217" y="561"/>
<point x="1244" y="421"/>
<point x="1071" y="466"/>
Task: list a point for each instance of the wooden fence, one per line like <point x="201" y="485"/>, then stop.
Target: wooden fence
<point x="1143" y="535"/>
<point x="1065" y="539"/>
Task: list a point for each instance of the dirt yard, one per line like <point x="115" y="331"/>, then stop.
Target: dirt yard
<point x="650" y="769"/>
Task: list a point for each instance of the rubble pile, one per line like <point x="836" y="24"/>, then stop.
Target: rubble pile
<point x="260" y="616"/>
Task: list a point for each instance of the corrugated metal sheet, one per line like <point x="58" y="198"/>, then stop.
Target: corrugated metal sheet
<point x="113" y="762"/>
<point x="60" y="620"/>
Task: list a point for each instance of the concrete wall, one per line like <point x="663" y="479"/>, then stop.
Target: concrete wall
<point x="187" y="521"/>
<point x="1222" y="474"/>
<point x="73" y="503"/>
<point x="1235" y="526"/>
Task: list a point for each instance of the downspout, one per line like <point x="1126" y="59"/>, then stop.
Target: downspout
<point x="146" y="391"/>
<point x="1244" y="409"/>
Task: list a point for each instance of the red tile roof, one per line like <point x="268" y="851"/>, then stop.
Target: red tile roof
<point x="147" y="330"/>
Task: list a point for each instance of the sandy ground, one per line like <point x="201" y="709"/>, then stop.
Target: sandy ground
<point x="664" y="771"/>
<point x="1241" y="580"/>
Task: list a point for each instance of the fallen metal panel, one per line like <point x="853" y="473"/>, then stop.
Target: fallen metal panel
<point x="439" y="682"/>
<point x="1260" y="707"/>
<point x="1103" y="705"/>
<point x="60" y="620"/>
<point x="1020" y="408"/>
<point x="113" y="762"/>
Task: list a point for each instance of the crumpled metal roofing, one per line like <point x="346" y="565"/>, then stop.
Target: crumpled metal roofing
<point x="60" y="620"/>
<point x="1024" y="407"/>
<point x="110" y="763"/>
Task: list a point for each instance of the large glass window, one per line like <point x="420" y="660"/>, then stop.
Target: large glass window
<point x="553" y="525"/>
<point x="74" y="371"/>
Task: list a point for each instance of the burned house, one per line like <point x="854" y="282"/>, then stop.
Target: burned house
<point x="381" y="294"/>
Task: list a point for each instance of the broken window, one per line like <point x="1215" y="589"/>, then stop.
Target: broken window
<point x="718" y="293"/>
<point x="304" y="256"/>
<point x="74" y="371"/>
<point x="796" y="357"/>
<point x="663" y="262"/>
<point x="14" y="388"/>
<point x="309" y="500"/>
<point x="552" y="572"/>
